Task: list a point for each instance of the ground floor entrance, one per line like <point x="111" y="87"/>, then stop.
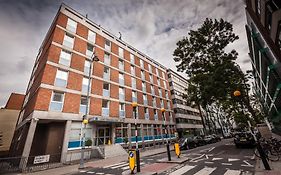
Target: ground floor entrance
<point x="103" y="135"/>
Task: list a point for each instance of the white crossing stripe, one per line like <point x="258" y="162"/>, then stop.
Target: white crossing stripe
<point x="226" y="163"/>
<point x="182" y="170"/>
<point x="232" y="172"/>
<point x="216" y="158"/>
<point x="90" y="172"/>
<point x="119" y="166"/>
<point x="230" y="160"/>
<point x="114" y="165"/>
<point x="100" y="173"/>
<point x="205" y="171"/>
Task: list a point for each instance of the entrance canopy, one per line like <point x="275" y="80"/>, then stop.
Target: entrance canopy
<point x="105" y="119"/>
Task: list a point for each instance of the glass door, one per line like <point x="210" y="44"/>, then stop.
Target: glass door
<point x="103" y="135"/>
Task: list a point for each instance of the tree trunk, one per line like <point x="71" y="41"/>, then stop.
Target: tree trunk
<point x="203" y="122"/>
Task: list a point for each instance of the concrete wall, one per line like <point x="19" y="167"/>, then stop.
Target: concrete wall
<point x="8" y="120"/>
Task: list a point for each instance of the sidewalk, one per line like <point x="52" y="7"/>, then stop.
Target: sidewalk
<point x="70" y="169"/>
<point x="275" y="166"/>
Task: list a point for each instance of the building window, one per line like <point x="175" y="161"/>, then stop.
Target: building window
<point x="143" y="86"/>
<point x="144" y="99"/>
<point x="132" y="58"/>
<point x="68" y="40"/>
<point x="85" y="84"/>
<point x="122" y="110"/>
<point x="65" y="58"/>
<point x="91" y="36"/>
<point x="146" y="114"/>
<point x="155" y="114"/>
<point x="152" y="90"/>
<point x="83" y="104"/>
<point x="121" y="64"/>
<point x="105" y="91"/>
<point x="133" y="70"/>
<point x="149" y="68"/>
<point x="134" y="83"/>
<point x="153" y="101"/>
<point x="105" y="107"/>
<point x="151" y="79"/>
<point x="168" y="105"/>
<point x="106" y="73"/>
<point x="167" y="95"/>
<point x="106" y="58"/>
<point x="141" y="63"/>
<point x="121" y="78"/>
<point x="162" y="103"/>
<point x="57" y="101"/>
<point x="134" y="96"/>
<point x="90" y="50"/>
<point x="142" y="75"/>
<point x="163" y="74"/>
<point x="157" y="72"/>
<point x="121" y="52"/>
<point x="121" y="94"/>
<point x="160" y="92"/>
<point x="158" y="81"/>
<point x="61" y="78"/>
<point x="71" y="25"/>
<point x="107" y="45"/>
<point x="165" y="85"/>
<point x="87" y="66"/>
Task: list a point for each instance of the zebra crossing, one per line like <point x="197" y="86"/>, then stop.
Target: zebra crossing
<point x="191" y="169"/>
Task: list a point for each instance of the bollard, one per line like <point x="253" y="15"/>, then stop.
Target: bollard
<point x="132" y="160"/>
<point x="177" y="149"/>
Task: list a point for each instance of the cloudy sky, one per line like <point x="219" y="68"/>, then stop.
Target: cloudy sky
<point x="152" y="26"/>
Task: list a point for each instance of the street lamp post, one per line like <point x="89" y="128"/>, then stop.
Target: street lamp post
<point x="166" y="133"/>
<point x="237" y="93"/>
<point x="134" y="104"/>
<point x="94" y="58"/>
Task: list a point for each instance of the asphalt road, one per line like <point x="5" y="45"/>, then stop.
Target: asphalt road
<point x="221" y="158"/>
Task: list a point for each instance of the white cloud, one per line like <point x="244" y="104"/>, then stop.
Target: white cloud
<point x="153" y="27"/>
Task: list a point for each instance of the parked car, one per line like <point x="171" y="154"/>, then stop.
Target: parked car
<point x="187" y="143"/>
<point x="209" y="139"/>
<point x="217" y="138"/>
<point x="244" y="139"/>
<point x="227" y="135"/>
<point x="199" y="141"/>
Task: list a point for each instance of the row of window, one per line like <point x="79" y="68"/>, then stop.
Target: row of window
<point x="185" y="111"/>
<point x="188" y="121"/>
<point x="57" y="102"/>
<point x="62" y="76"/>
<point x="69" y="42"/>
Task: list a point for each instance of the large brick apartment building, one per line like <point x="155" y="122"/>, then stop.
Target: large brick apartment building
<point x="55" y="102"/>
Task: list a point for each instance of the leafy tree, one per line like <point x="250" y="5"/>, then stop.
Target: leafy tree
<point x="213" y="73"/>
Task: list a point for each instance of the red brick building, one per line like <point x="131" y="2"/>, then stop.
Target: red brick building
<point x="55" y="102"/>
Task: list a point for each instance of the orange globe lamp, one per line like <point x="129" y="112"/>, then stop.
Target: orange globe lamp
<point x="237" y="93"/>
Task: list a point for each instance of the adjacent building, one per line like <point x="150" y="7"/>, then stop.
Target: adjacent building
<point x="188" y="120"/>
<point x="50" y="120"/>
<point x="264" y="39"/>
<point x="8" y="119"/>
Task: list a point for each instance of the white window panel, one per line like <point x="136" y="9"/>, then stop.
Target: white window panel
<point x="107" y="58"/>
<point x="65" y="58"/>
<point x="87" y="67"/>
<point x="121" y="64"/>
<point x="68" y="40"/>
<point x="61" y="78"/>
<point x="121" y="78"/>
<point x="121" y="52"/>
<point x="151" y="79"/>
<point x="141" y="63"/>
<point x="133" y="70"/>
<point x="90" y="50"/>
<point x="71" y="25"/>
<point x="132" y="58"/>
<point x="92" y="36"/>
<point x="85" y="83"/>
<point x="107" y="45"/>
<point x="149" y="68"/>
<point x="134" y="83"/>
<point x="56" y="101"/>
<point x="106" y="73"/>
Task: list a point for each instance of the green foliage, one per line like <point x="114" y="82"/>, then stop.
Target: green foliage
<point x="88" y="142"/>
<point x="213" y="73"/>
